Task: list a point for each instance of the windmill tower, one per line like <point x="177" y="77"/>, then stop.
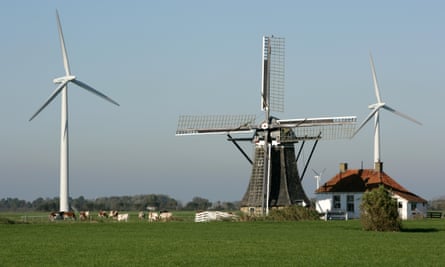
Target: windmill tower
<point x="275" y="180"/>
<point x="375" y="112"/>
<point x="62" y="89"/>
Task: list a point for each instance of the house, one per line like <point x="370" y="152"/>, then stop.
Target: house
<point x="344" y="191"/>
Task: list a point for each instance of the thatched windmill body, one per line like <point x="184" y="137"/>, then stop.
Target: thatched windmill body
<point x="275" y="181"/>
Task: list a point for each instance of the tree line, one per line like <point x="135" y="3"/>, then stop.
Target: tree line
<point x="437" y="204"/>
<point x="128" y="203"/>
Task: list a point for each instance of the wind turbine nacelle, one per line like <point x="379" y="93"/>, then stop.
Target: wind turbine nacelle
<point x="376" y="105"/>
<point x="63" y="79"/>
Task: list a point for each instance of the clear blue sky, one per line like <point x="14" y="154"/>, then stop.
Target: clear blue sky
<point x="161" y="59"/>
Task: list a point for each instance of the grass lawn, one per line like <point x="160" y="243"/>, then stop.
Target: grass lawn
<point x="184" y="243"/>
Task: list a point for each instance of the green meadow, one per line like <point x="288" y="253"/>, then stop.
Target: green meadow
<point x="185" y="243"/>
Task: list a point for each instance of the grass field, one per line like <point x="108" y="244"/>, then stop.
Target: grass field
<point x="184" y="243"/>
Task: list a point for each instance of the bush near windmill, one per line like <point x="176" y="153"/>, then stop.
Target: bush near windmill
<point x="294" y="213"/>
<point x="379" y="211"/>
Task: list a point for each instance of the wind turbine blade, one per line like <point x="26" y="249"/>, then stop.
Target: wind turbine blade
<point x="374" y="78"/>
<point x="53" y="95"/>
<point x="366" y="120"/>
<point x="401" y="114"/>
<point x="94" y="91"/>
<point x="316" y="173"/>
<point x="62" y="45"/>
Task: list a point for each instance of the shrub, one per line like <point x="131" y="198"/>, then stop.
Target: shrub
<point x="379" y="211"/>
<point x="293" y="213"/>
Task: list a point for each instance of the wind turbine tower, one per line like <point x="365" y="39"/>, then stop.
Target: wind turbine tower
<point x="62" y="89"/>
<point x="378" y="165"/>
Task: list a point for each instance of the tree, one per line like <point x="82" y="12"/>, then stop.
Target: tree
<point x="379" y="211"/>
<point x="14" y="204"/>
<point x="198" y="203"/>
<point x="438" y="203"/>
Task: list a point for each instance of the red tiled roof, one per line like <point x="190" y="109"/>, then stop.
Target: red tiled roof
<point x="360" y="180"/>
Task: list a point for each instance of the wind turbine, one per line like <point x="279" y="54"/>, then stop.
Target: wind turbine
<point x="318" y="176"/>
<point x="62" y="89"/>
<point x="376" y="113"/>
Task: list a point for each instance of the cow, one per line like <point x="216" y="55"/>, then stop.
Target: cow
<point x="122" y="217"/>
<point x="153" y="216"/>
<point x="69" y="215"/>
<point x="102" y="214"/>
<point x="165" y="216"/>
<point x="55" y="216"/>
<point x="114" y="214"/>
<point x="141" y="215"/>
<point x="62" y="215"/>
<point x="84" y="215"/>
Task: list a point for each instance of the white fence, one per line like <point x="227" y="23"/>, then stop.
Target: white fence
<point x="208" y="216"/>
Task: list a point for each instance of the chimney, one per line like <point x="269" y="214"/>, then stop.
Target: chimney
<point x="378" y="166"/>
<point x="343" y="167"/>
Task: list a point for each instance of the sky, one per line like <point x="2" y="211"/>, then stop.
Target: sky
<point x="163" y="59"/>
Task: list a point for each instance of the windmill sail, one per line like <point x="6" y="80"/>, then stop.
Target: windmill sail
<point x="328" y="128"/>
<point x="272" y="88"/>
<point x="214" y="124"/>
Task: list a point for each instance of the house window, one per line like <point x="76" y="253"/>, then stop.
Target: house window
<point x="337" y="203"/>
<point x="413" y="206"/>
<point x="400" y="205"/>
<point x="350" y="203"/>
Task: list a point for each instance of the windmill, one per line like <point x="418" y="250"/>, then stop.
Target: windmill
<point x="318" y="176"/>
<point x="376" y="113"/>
<point x="62" y="89"/>
<point x="274" y="181"/>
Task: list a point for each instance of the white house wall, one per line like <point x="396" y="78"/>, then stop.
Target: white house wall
<point x="325" y="203"/>
<point x="406" y="211"/>
<point x="402" y="207"/>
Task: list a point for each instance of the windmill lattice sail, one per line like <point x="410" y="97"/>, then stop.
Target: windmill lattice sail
<point x="272" y="90"/>
<point x="329" y="128"/>
<point x="218" y="124"/>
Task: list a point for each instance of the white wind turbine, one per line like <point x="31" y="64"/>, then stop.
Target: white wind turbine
<point x="62" y="89"/>
<point x="318" y="176"/>
<point x="375" y="112"/>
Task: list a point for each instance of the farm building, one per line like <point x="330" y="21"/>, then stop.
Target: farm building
<point x="344" y="191"/>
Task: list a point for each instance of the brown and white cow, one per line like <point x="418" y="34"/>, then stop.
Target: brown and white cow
<point x="62" y="215"/>
<point x="69" y="215"/>
<point x="141" y="215"/>
<point x="113" y="214"/>
<point x="55" y="216"/>
<point x="84" y="215"/>
<point x="102" y="214"/>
